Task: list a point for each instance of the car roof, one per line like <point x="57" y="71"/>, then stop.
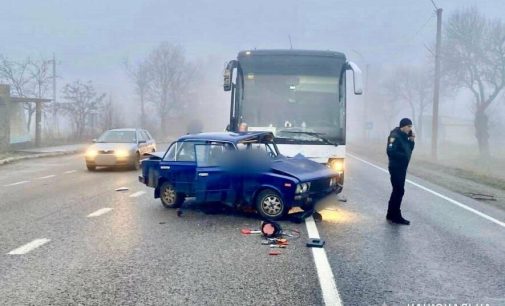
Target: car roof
<point x="125" y="130"/>
<point x="227" y="136"/>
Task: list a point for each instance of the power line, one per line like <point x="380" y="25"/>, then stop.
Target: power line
<point x="421" y="28"/>
<point x="434" y="5"/>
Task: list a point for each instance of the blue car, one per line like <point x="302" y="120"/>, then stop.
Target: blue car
<point x="237" y="169"/>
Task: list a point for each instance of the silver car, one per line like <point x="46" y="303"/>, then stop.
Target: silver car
<point x="120" y="147"/>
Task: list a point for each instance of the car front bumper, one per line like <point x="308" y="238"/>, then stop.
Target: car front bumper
<point x="109" y="160"/>
<point x="309" y="199"/>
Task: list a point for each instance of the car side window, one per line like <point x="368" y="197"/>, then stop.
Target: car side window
<point x="141" y="136"/>
<point x="210" y="155"/>
<point x="263" y="148"/>
<point x="185" y="151"/>
<point x="146" y="135"/>
<point x="170" y="156"/>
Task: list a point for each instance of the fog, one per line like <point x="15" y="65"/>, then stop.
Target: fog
<point x="91" y="41"/>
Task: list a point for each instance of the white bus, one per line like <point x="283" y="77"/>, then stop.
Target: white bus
<point x="299" y="95"/>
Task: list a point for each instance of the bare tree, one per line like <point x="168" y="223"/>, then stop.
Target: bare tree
<point x="81" y="104"/>
<point x="412" y="85"/>
<point x="170" y="79"/>
<point x="109" y="115"/>
<point x="17" y="75"/>
<point x="141" y="77"/>
<point x="474" y="58"/>
<point x="40" y="78"/>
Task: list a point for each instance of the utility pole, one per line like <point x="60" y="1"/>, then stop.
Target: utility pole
<point x="436" y="91"/>
<point x="55" y="106"/>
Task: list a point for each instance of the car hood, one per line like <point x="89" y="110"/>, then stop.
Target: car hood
<point x="302" y="168"/>
<point x="113" y="146"/>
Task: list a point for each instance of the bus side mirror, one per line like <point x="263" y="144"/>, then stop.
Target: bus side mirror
<point x="228" y="75"/>
<point x="357" y="78"/>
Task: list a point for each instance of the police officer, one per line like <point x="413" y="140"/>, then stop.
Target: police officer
<point x="399" y="149"/>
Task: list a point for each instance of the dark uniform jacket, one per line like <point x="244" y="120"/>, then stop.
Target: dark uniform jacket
<point x="399" y="149"/>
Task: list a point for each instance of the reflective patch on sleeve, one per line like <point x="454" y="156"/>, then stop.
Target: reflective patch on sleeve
<point x="391" y="139"/>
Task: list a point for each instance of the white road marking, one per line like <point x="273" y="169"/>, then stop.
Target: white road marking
<point x="17" y="183"/>
<point x="70" y="171"/>
<point x="459" y="204"/>
<point x="29" y="246"/>
<point x="324" y="272"/>
<point x="137" y="194"/>
<point x="99" y="212"/>
<point x="46" y="177"/>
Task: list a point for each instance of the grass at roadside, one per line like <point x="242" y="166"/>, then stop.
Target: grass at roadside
<point x="457" y="169"/>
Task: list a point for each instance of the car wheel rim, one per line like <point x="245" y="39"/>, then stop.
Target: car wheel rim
<point x="169" y="195"/>
<point x="272" y="205"/>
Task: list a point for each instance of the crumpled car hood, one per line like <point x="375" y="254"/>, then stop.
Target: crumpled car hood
<point x="302" y="168"/>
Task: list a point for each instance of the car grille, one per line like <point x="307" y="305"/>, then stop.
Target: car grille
<point x="320" y="185"/>
<point x="106" y="152"/>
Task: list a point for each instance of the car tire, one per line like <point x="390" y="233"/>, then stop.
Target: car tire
<point x="170" y="198"/>
<point x="136" y="162"/>
<point x="91" y="167"/>
<point x="270" y="205"/>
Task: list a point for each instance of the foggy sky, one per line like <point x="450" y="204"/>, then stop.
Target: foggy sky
<point x="92" y="38"/>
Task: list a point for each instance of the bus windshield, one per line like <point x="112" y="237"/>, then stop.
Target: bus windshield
<point x="296" y="97"/>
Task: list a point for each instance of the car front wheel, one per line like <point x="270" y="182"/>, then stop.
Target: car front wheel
<point x="270" y="205"/>
<point x="170" y="198"/>
<point x="136" y="162"/>
<point x="91" y="167"/>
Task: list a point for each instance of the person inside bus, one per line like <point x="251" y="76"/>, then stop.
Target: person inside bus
<point x="242" y="127"/>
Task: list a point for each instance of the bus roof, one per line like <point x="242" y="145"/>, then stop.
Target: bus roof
<point x="280" y="52"/>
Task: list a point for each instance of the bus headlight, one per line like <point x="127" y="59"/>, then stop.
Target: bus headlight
<point x="336" y="164"/>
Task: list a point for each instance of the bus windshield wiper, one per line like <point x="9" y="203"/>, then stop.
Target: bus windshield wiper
<point x="317" y="135"/>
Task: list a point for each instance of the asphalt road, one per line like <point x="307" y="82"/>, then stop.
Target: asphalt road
<point x="67" y="237"/>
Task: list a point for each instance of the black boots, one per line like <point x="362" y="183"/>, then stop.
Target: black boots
<point x="397" y="218"/>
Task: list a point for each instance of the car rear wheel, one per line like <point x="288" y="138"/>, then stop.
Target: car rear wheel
<point x="91" y="167"/>
<point x="170" y="198"/>
<point x="270" y="205"/>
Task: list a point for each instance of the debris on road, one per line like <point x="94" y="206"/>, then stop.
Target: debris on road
<point x="247" y="231"/>
<point x="271" y="229"/>
<point x="179" y="212"/>
<point x="122" y="189"/>
<point x="274" y="253"/>
<point x="480" y="196"/>
<point x="315" y="243"/>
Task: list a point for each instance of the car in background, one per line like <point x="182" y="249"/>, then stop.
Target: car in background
<point x="120" y="148"/>
<point x="237" y="169"/>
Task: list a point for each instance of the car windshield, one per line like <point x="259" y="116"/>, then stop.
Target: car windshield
<point x="118" y="137"/>
<point x="263" y="148"/>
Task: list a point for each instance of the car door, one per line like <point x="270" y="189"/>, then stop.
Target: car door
<point x="178" y="166"/>
<point x="212" y="181"/>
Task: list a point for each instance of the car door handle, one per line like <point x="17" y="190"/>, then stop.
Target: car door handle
<point x="203" y="174"/>
<point x="165" y="167"/>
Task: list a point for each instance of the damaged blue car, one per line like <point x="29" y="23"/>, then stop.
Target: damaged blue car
<point x="239" y="170"/>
